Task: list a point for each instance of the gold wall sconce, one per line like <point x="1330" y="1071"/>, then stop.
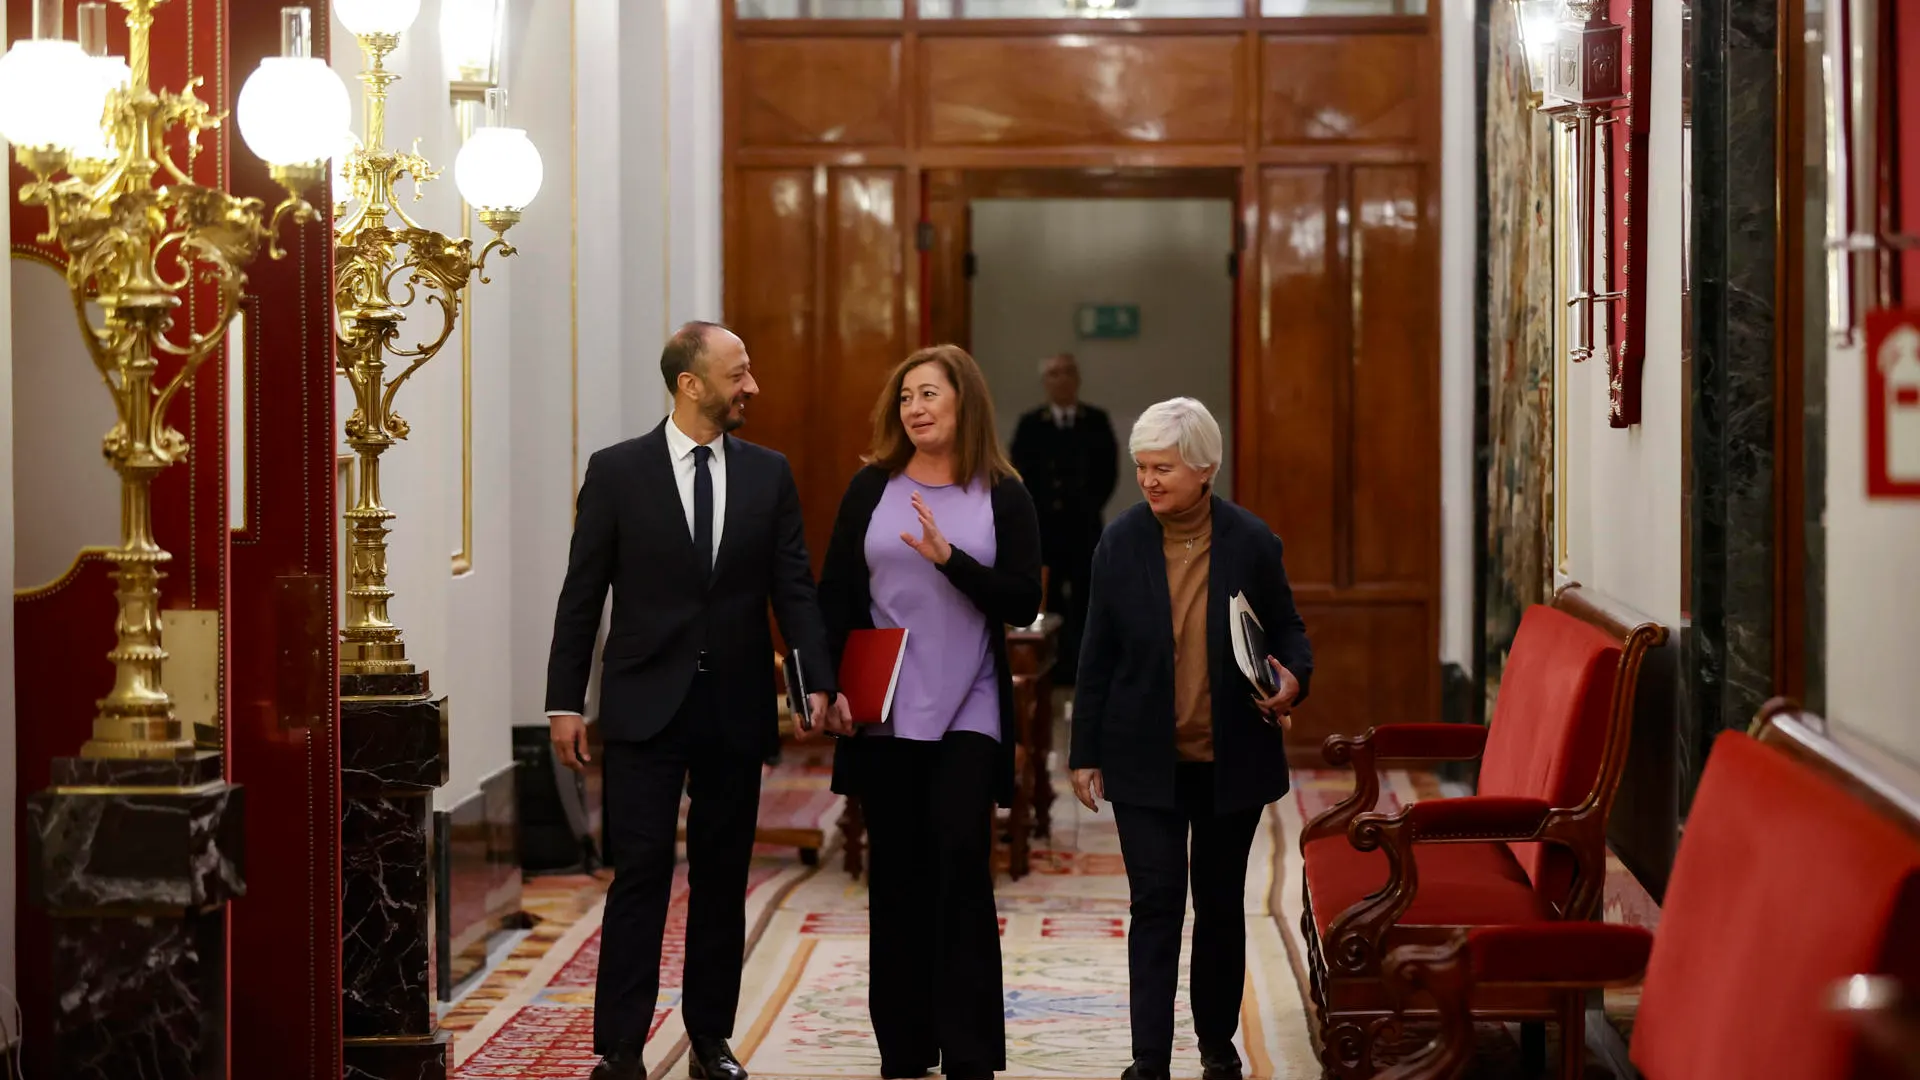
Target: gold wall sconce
<point x="160" y="257"/>
<point x="383" y="260"/>
<point x="1588" y="65"/>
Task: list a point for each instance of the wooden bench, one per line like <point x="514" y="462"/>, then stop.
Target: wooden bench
<point x="1529" y="846"/>
<point x="1799" y="871"/>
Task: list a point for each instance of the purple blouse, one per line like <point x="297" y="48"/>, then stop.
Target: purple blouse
<point x="947" y="679"/>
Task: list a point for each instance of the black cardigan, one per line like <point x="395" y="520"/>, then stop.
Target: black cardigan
<point x="1123" y="721"/>
<point x="1008" y="592"/>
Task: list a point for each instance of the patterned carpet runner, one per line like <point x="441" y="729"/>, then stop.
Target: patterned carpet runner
<point x="803" y="1012"/>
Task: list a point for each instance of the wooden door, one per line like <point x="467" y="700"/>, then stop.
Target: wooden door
<point x="1326" y="130"/>
<point x="1337" y="404"/>
<point x="947" y="250"/>
<point x="818" y="291"/>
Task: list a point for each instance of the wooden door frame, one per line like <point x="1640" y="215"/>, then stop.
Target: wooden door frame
<point x="1271" y="133"/>
<point x="945" y="189"/>
<point x="948" y="263"/>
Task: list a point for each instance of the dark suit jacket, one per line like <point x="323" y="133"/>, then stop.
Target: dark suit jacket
<point x="1071" y="474"/>
<point x="1008" y="592"/>
<point x="1123" y="722"/>
<point x="630" y="533"/>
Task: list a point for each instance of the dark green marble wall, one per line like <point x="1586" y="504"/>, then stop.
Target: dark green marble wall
<point x="1729" y="648"/>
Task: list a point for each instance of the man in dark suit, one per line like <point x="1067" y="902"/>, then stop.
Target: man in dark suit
<point x="695" y="531"/>
<point x="1066" y="453"/>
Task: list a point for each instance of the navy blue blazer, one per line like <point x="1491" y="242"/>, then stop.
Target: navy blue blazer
<point x="1123" y="721"/>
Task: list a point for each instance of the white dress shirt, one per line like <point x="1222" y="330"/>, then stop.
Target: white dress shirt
<point x="1064" y="415"/>
<point x="680" y="451"/>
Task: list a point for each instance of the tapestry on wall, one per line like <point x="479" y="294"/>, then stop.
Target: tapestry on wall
<point x="1520" y="343"/>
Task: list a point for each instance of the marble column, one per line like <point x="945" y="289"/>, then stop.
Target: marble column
<point x="135" y="861"/>
<point x="393" y="754"/>
<point x="1478" y="706"/>
<point x="1729" y="647"/>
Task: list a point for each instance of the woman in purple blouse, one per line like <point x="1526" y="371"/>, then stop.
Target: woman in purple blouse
<point x="938" y="535"/>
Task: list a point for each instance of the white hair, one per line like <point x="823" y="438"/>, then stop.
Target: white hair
<point x="1179" y="422"/>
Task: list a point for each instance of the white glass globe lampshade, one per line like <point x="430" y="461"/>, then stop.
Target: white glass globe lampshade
<point x="498" y="169"/>
<point x="106" y="74"/>
<point x="292" y="109"/>
<point x="46" y="101"/>
<point x="363" y="17"/>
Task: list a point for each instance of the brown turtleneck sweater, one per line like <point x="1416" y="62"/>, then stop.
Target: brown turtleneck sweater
<point x="1188" y="540"/>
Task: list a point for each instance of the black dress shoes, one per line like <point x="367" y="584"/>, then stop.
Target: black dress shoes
<point x="1144" y="1069"/>
<point x="621" y="1065"/>
<point x="712" y="1059"/>
<point x="1222" y="1063"/>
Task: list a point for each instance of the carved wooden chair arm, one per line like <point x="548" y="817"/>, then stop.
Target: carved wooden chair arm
<point x="1357" y="934"/>
<point x="1560" y="955"/>
<point x="1387" y="742"/>
<point x="1510" y="818"/>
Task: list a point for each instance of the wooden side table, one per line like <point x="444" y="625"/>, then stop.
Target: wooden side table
<point x="1033" y="651"/>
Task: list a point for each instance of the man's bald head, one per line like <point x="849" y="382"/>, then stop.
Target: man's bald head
<point x="686" y="352"/>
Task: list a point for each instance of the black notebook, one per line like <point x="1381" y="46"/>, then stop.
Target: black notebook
<point x="1250" y="647"/>
<point x="797" y="692"/>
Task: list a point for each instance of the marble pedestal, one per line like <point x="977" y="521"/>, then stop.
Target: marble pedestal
<point x="135" y="861"/>
<point x="393" y="754"/>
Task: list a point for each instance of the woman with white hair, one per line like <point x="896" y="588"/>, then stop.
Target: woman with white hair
<point x="1167" y="729"/>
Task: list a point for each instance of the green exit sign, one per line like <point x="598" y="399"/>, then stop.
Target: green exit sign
<point x="1108" y="321"/>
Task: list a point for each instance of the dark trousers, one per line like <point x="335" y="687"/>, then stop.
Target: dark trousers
<point x="1067" y="581"/>
<point x="934" y="938"/>
<point x="1154" y="844"/>
<point x="643" y="785"/>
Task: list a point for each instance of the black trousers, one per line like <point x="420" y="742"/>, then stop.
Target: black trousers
<point x="1067" y="583"/>
<point x="644" y="781"/>
<point x="1154" y="842"/>
<point x="934" y="937"/>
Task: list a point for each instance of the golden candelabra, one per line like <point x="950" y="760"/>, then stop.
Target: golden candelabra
<point x="139" y="233"/>
<point x="369" y="268"/>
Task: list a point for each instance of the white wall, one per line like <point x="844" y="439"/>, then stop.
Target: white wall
<point x="1624" y="487"/>
<point x="1039" y="259"/>
<point x="1873" y="622"/>
<point x="1459" y="242"/>
<point x="56" y="440"/>
<point x="621" y="245"/>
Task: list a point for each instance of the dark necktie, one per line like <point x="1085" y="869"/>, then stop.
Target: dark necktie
<point x="703" y="508"/>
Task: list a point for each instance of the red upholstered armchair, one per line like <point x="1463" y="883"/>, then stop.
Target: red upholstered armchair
<point x="1794" y="874"/>
<point x="1529" y="846"/>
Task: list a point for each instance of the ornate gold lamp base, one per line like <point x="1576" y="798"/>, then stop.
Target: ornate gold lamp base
<point x="379" y="664"/>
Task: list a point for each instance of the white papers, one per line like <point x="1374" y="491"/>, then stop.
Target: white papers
<point x="1250" y="655"/>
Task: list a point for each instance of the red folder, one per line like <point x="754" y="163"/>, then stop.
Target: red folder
<point x="870" y="671"/>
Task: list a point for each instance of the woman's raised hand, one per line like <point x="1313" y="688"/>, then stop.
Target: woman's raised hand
<point x="931" y="545"/>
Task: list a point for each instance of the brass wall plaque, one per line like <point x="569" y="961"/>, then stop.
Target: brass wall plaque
<point x="192" y="672"/>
